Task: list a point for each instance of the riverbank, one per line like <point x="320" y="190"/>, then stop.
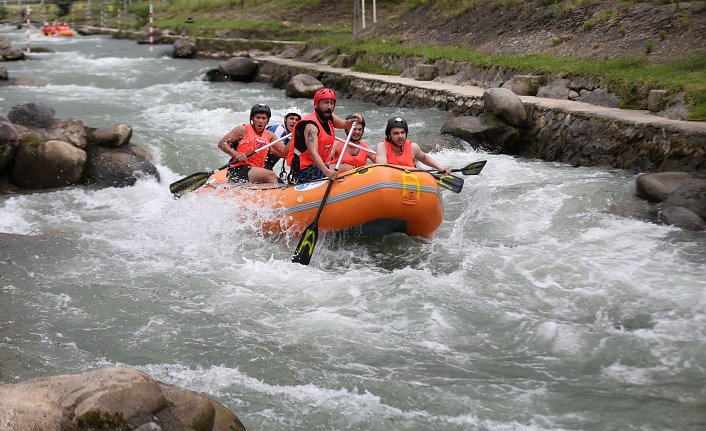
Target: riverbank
<point x="567" y="131"/>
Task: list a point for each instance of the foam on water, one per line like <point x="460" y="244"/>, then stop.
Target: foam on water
<point x="537" y="305"/>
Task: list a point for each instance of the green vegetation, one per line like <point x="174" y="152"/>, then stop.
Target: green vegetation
<point x="629" y="77"/>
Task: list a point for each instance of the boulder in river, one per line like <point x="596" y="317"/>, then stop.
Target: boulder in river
<point x="680" y="197"/>
<point x="303" y="85"/>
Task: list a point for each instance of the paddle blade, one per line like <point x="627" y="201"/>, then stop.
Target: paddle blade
<point x="305" y="248"/>
<point x="474" y="168"/>
<point x="188" y="184"/>
<point x="449" y="182"/>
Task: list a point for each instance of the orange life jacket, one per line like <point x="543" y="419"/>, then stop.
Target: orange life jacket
<point x="404" y="159"/>
<point x="251" y="142"/>
<point x="298" y="147"/>
<point x="357" y="160"/>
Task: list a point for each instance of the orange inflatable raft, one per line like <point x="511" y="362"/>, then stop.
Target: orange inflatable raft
<point x="65" y="33"/>
<point x="372" y="200"/>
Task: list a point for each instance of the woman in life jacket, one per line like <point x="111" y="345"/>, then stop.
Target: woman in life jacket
<point x="313" y="140"/>
<point x="246" y="138"/>
<point x="396" y="149"/>
<point x="355" y="156"/>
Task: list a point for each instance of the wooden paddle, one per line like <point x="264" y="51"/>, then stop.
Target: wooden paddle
<point x="194" y="181"/>
<point x="307" y="242"/>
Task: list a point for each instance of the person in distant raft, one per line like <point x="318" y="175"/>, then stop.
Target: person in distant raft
<point x="355" y="157"/>
<point x="247" y="138"/>
<point x="313" y="140"/>
<point x="396" y="149"/>
<point x="291" y="117"/>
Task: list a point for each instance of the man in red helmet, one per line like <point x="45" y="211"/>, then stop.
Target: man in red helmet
<point x="243" y="140"/>
<point x="313" y="139"/>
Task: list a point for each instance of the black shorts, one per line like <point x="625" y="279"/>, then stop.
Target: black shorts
<point x="309" y="174"/>
<point x="239" y="174"/>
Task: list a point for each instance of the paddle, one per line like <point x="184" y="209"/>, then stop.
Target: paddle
<point x="454" y="183"/>
<point x="194" y="181"/>
<point x="449" y="182"/>
<point x="305" y="248"/>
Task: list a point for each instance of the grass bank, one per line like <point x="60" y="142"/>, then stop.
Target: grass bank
<point x="629" y="77"/>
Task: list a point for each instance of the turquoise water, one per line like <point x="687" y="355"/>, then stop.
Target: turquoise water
<point x="543" y="303"/>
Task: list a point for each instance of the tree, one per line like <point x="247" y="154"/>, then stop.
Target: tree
<point x="63" y="6"/>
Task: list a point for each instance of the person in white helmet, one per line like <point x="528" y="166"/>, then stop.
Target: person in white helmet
<point x="291" y="117"/>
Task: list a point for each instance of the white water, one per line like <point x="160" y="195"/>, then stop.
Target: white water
<point x="542" y="304"/>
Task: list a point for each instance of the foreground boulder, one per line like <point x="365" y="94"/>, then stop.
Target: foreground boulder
<point x="50" y="164"/>
<point x="112" y="398"/>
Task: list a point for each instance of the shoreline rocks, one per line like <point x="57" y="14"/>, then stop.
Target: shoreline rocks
<point x="39" y="152"/>
<point x="110" y="398"/>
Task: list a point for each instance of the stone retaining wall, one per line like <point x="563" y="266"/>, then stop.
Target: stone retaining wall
<point x="553" y="134"/>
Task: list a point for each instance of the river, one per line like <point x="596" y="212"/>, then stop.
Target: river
<point x="543" y="303"/>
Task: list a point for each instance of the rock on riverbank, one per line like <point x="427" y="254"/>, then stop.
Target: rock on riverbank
<point x="112" y="398"/>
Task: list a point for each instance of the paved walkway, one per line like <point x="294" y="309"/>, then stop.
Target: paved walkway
<point x="628" y="115"/>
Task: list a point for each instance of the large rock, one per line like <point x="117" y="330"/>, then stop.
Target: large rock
<point x="72" y="131"/>
<point x="681" y="197"/>
<point x="239" y="69"/>
<point x="8" y="142"/>
<point x="599" y="97"/>
<point x="12" y="54"/>
<point x="683" y="218"/>
<point x="119" y="167"/>
<point x="32" y="114"/>
<point x="184" y="48"/>
<point x="45" y="165"/>
<point x="303" y="85"/>
<point x="113" y="398"/>
<point x="556" y="89"/>
<point x="656" y="187"/>
<point x="524" y="85"/>
<point x="506" y="105"/>
<point x="485" y="132"/>
<point x="112" y="136"/>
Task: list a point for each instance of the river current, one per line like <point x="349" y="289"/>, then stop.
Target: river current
<point x="542" y="303"/>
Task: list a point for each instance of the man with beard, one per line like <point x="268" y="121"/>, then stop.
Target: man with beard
<point x="247" y="138"/>
<point x="396" y="149"/>
<point x="313" y="139"/>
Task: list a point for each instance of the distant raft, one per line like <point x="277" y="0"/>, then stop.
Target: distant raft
<point x="372" y="200"/>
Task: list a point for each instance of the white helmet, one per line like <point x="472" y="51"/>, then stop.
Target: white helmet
<point x="293" y="111"/>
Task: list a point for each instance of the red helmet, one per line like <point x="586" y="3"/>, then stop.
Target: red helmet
<point x="324" y="93"/>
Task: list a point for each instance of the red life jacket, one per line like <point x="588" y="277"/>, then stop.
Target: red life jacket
<point x="404" y="159"/>
<point x="359" y="159"/>
<point x="251" y="142"/>
<point x="298" y="146"/>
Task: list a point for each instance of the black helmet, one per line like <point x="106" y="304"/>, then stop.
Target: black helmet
<point x="362" y="120"/>
<point x="395" y="122"/>
<point x="260" y="108"/>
